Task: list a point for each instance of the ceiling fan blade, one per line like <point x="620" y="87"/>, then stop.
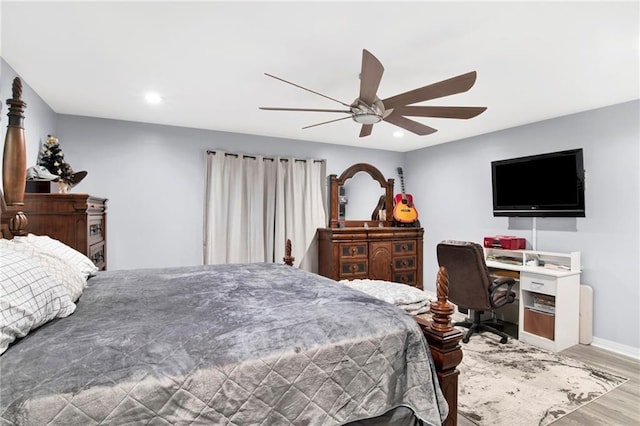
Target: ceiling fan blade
<point x="410" y="125"/>
<point x="304" y="109"/>
<point x="440" y="111"/>
<point x="326" y="122"/>
<point x="370" y="77"/>
<point x="366" y="130"/>
<point x="308" y="90"/>
<point x="454" y="85"/>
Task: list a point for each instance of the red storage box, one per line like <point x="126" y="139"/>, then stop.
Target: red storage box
<point x="508" y="242"/>
<point x="511" y="243"/>
<point x="489" y="242"/>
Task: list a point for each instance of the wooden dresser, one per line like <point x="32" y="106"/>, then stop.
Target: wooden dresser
<point x="78" y="220"/>
<point x="386" y="253"/>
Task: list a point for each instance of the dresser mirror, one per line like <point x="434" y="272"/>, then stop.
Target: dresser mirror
<point x="361" y="185"/>
<point x="359" y="198"/>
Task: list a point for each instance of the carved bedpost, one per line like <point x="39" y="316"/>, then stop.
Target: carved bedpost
<point x="14" y="166"/>
<point x="288" y="259"/>
<point x="444" y="342"/>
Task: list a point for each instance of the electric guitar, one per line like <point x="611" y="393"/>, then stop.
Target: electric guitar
<point x="404" y="211"/>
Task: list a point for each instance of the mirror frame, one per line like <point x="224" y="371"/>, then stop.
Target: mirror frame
<point x="336" y="182"/>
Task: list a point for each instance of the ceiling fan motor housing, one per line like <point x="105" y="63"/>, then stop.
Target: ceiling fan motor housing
<point x="365" y="114"/>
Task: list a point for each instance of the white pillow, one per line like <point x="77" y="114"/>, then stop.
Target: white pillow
<point x="413" y="300"/>
<point x="62" y="251"/>
<point x="70" y="277"/>
<point x="29" y="296"/>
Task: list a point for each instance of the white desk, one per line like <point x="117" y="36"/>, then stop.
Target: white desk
<point x="549" y="299"/>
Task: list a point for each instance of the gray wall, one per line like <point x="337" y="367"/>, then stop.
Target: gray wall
<point x="451" y="184"/>
<point x="153" y="177"/>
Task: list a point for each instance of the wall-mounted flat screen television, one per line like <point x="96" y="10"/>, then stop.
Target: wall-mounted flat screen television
<point x="544" y="185"/>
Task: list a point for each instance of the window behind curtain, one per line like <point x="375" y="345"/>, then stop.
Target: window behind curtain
<point x="253" y="204"/>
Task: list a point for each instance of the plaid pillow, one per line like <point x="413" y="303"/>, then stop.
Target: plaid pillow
<point x="72" y="280"/>
<point x="56" y="248"/>
<point x="29" y="296"/>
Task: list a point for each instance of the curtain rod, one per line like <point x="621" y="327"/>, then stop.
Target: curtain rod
<point x="227" y="154"/>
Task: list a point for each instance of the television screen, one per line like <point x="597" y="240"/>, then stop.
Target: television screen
<point x="544" y="185"/>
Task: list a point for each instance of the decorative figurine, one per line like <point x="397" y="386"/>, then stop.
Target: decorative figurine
<point x="52" y="158"/>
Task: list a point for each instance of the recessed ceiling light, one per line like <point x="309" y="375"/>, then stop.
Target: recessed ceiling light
<point x="398" y="134"/>
<point x="153" y="98"/>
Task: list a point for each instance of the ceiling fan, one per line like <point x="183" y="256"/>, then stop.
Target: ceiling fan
<point x="368" y="109"/>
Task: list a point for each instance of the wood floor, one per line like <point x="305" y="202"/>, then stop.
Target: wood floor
<point x="620" y="407"/>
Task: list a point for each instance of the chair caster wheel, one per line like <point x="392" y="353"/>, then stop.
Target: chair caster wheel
<point x="503" y="340"/>
<point x="465" y="340"/>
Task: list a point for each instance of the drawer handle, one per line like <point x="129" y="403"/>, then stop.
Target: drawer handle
<point x="354" y="268"/>
<point x="97" y="258"/>
<point x="95" y="229"/>
<point x="534" y="283"/>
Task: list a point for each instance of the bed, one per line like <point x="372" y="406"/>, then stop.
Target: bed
<point x="226" y="344"/>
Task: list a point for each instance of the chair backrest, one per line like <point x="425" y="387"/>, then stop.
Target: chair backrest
<point x="469" y="279"/>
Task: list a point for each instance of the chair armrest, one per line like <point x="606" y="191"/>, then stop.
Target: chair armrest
<point x="502" y="281"/>
<point x="502" y="286"/>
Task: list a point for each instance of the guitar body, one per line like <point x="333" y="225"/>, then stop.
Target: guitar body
<point x="404" y="210"/>
<point x="400" y="200"/>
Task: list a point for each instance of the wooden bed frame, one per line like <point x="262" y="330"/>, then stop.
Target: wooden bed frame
<point x="443" y="338"/>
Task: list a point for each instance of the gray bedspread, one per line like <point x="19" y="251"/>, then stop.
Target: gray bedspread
<point x="251" y="344"/>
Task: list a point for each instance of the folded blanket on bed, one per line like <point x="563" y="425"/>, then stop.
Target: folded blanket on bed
<point x="413" y="300"/>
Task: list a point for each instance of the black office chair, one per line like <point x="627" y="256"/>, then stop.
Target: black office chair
<point x="471" y="286"/>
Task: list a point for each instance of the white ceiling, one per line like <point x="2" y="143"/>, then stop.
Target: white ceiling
<point x="207" y="59"/>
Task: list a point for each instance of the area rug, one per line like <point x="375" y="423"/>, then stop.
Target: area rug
<point x="517" y="384"/>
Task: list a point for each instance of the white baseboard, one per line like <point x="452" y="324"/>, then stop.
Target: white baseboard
<point x="629" y="351"/>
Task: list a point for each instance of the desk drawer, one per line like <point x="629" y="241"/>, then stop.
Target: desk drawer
<point x="538" y="283"/>
<point x="539" y="323"/>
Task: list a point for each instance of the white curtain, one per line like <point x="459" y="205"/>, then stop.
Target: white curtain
<point x="254" y="204"/>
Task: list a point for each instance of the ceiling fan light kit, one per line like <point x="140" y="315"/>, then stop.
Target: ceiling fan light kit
<point x="368" y="109"/>
<point x="366" y="118"/>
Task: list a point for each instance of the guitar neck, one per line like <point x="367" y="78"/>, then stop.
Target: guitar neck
<point x="404" y="196"/>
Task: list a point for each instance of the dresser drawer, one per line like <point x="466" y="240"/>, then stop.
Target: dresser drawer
<point x="405" y="277"/>
<point x="404" y="262"/>
<point x="96" y="229"/>
<point x="97" y="255"/>
<point x="354" y="268"/>
<point x="404" y="247"/>
<point x="353" y="250"/>
<point x="538" y="283"/>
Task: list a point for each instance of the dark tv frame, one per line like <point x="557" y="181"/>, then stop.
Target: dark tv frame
<point x="538" y="164"/>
